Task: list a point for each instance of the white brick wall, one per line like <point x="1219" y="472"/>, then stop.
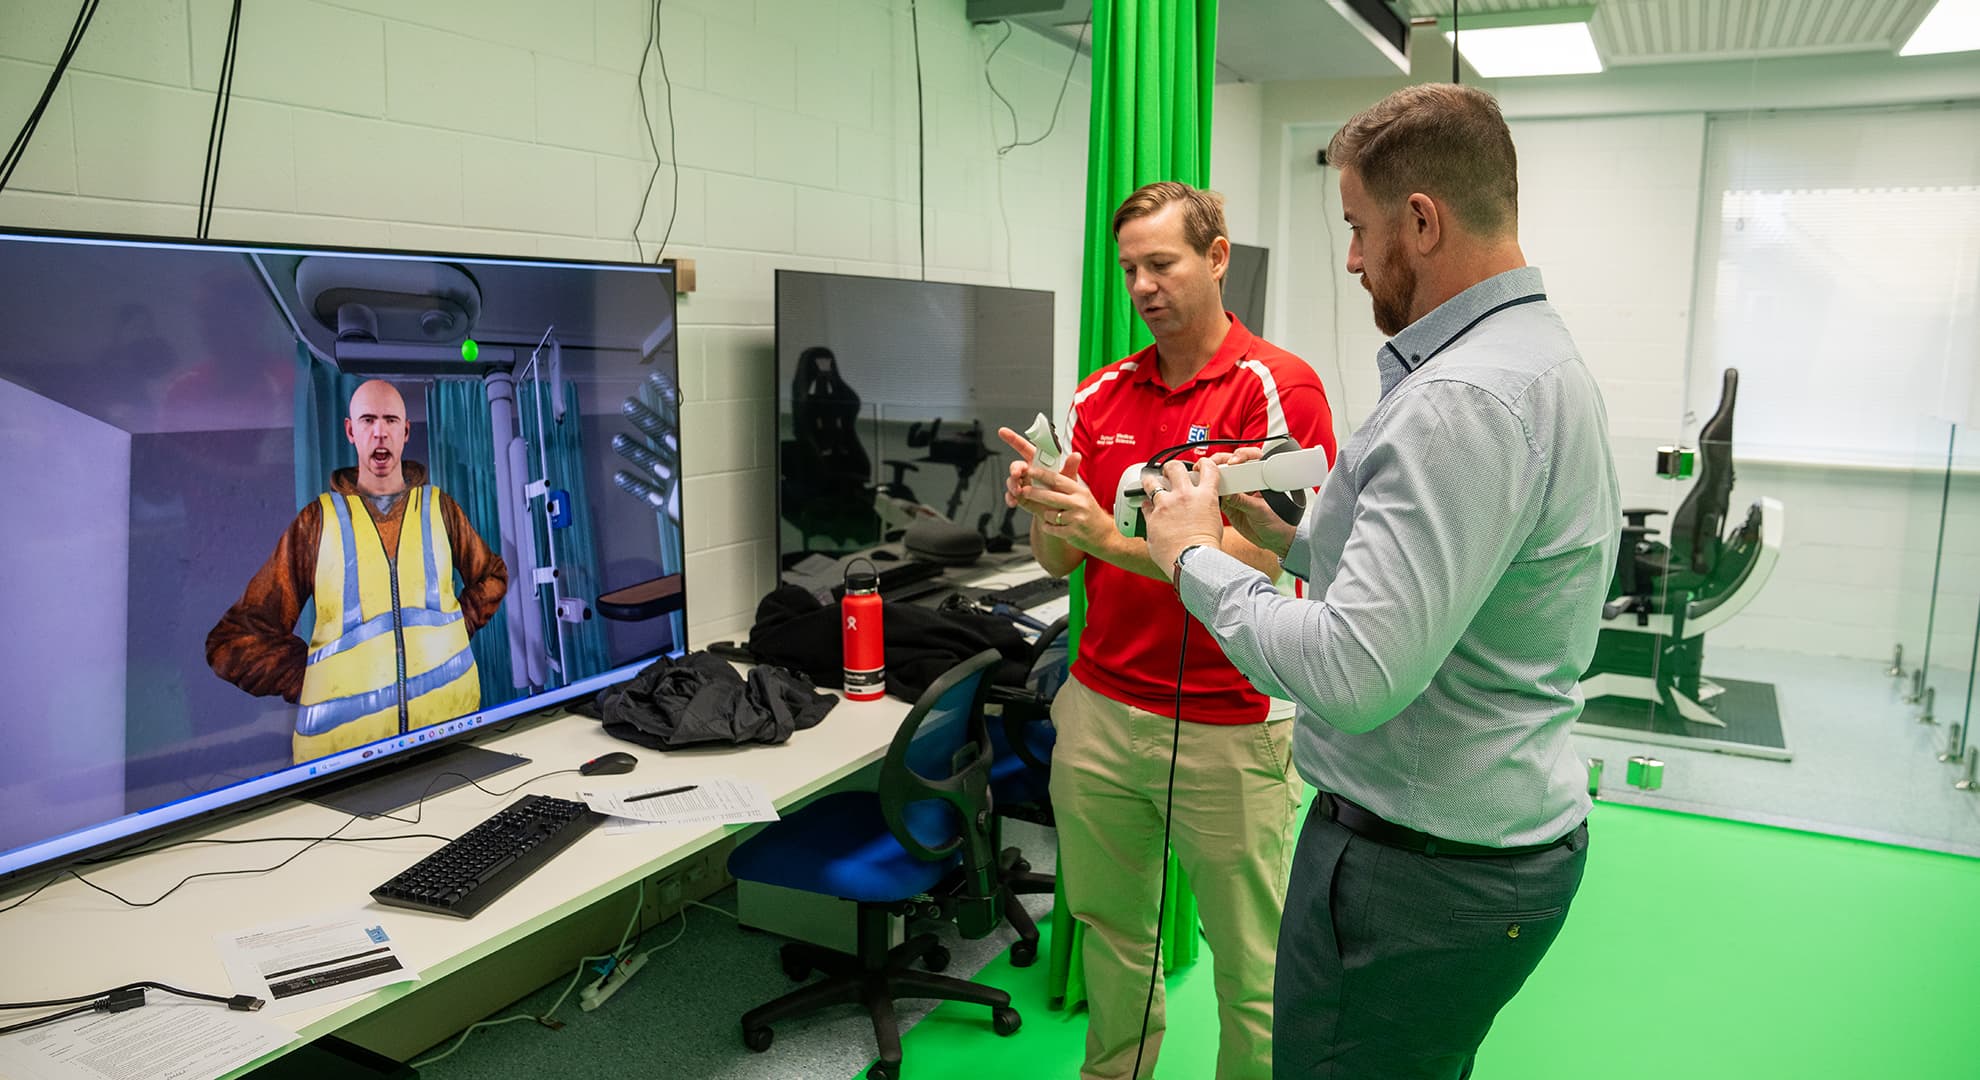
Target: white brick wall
<point x="512" y="127"/>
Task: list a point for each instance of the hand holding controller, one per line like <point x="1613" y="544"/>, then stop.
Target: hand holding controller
<point x="1283" y="474"/>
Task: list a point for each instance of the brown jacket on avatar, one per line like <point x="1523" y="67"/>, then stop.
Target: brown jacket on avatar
<point x="255" y="645"/>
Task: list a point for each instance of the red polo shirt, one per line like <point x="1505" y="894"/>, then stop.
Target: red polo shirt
<point x="1124" y="414"/>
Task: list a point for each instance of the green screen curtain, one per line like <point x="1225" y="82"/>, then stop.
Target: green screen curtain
<point x="1154" y="70"/>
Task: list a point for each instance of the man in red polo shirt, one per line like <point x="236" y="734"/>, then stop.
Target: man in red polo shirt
<point x="1232" y="820"/>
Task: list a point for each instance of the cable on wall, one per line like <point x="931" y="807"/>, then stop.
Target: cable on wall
<point x="216" y="132"/>
<point x="1071" y="62"/>
<point x="655" y="48"/>
<point x="920" y="138"/>
<point x="84" y="16"/>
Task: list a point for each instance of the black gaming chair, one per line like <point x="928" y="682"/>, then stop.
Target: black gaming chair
<point x="824" y="475"/>
<point x="1671" y="592"/>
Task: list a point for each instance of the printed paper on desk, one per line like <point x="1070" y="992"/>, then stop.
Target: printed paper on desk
<point x="715" y="800"/>
<point x="168" y="1039"/>
<point x="299" y="963"/>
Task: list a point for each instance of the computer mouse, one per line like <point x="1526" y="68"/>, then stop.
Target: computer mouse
<point x="610" y="764"/>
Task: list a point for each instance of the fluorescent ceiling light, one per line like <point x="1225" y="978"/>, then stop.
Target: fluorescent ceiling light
<point x="1513" y="51"/>
<point x="1511" y="44"/>
<point x="1951" y="26"/>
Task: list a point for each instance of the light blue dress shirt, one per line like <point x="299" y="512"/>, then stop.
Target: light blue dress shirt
<point x="1458" y="557"/>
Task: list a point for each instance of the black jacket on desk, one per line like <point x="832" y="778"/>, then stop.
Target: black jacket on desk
<point x="795" y="630"/>
<point x="699" y="699"/>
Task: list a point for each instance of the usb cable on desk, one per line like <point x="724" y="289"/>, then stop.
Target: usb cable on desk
<point x="119" y="999"/>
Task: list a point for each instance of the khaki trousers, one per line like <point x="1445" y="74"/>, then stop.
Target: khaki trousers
<point x="1236" y="805"/>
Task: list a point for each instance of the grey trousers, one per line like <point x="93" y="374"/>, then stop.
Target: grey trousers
<point x="1392" y="964"/>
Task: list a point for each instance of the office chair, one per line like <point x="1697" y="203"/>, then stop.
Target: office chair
<point x="1664" y="596"/>
<point x="1021" y="739"/>
<point x="921" y="844"/>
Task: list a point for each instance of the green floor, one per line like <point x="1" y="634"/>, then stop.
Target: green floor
<point x="1698" y="948"/>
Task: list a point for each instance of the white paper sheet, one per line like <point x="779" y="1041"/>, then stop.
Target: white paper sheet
<point x="714" y="800"/>
<point x="168" y="1039"/>
<point x="300" y="963"/>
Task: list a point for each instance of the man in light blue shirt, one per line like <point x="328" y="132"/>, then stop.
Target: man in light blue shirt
<point x="1458" y="558"/>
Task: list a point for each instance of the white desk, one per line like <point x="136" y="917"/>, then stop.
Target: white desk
<point x="73" y="940"/>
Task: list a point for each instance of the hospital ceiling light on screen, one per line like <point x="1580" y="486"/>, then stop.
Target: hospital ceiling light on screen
<point x="1951" y="26"/>
<point x="1511" y="44"/>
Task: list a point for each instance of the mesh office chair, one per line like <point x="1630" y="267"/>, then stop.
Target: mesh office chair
<point x="921" y="844"/>
<point x="1021" y="739"/>
<point x="1666" y="595"/>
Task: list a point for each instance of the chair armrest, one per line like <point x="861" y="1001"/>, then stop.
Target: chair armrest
<point x="1021" y="709"/>
<point x="1640" y="515"/>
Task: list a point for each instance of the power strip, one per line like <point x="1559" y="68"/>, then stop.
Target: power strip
<point x="600" y="992"/>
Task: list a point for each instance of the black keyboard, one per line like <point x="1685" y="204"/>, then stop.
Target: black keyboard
<point x="490" y="859"/>
<point x="1030" y="593"/>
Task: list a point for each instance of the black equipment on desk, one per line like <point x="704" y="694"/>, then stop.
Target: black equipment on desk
<point x="478" y="866"/>
<point x="1028" y="594"/>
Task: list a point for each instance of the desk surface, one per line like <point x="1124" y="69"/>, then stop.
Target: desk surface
<point x="72" y="940"/>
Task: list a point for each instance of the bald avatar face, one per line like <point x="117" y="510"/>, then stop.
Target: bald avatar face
<point x="377" y="427"/>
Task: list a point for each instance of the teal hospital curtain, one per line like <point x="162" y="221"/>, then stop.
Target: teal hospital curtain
<point x="461" y="462"/>
<point x="321" y="447"/>
<point x="1154" y="70"/>
<point x="322" y="394"/>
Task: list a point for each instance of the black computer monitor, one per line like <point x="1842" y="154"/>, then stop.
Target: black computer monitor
<point x="889" y="395"/>
<point x="171" y="417"/>
<point x="1244" y="285"/>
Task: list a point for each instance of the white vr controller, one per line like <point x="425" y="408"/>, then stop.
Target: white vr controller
<point x="1284" y="474"/>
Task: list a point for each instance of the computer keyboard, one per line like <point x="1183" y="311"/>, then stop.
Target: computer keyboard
<point x="478" y="866"/>
<point x="1028" y="594"/>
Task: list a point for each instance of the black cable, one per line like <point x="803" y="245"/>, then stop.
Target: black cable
<point x="333" y="837"/>
<point x="18" y="150"/>
<point x="119" y="999"/>
<point x="920" y="137"/>
<point x="1454" y="43"/>
<point x="216" y="132"/>
<point x="1063" y="84"/>
<point x="654" y="47"/>
<point x="143" y="985"/>
<point x="42" y="1021"/>
<point x="1168" y="816"/>
<point x="1164" y="456"/>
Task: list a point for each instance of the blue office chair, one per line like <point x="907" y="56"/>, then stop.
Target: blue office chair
<point x="1021" y="740"/>
<point x="919" y="845"/>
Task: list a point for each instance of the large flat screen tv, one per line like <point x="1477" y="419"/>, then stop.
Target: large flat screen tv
<point x="201" y="442"/>
<point x="889" y="396"/>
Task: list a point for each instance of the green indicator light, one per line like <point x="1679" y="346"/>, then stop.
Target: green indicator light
<point x="469" y="350"/>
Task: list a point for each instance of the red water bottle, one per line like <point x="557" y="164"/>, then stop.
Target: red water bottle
<point x="865" y="643"/>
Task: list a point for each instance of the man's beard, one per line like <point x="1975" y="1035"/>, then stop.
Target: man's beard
<point x="1392" y="297"/>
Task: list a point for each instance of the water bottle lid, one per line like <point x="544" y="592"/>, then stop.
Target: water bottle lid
<point x="862" y="581"/>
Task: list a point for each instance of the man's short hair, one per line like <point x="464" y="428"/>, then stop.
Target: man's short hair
<point x="1203" y="211"/>
<point x="1449" y="142"/>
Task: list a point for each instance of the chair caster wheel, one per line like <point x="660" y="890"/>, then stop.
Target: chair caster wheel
<point x="1006" y="1020"/>
<point x="936" y="959"/>
<point x="757" y="1039"/>
<point x="794" y="965"/>
<point x="883" y="1071"/>
<point x="1021" y="867"/>
<point x="1024" y="954"/>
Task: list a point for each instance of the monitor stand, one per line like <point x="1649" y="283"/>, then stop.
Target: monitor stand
<point x="420" y="778"/>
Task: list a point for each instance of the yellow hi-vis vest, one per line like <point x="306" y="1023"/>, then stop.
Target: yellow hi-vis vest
<point x="390" y="650"/>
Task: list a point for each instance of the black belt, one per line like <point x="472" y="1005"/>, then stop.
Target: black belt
<point x="1364" y="824"/>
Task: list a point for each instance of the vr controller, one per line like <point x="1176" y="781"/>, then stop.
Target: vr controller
<point x="1284" y="474"/>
